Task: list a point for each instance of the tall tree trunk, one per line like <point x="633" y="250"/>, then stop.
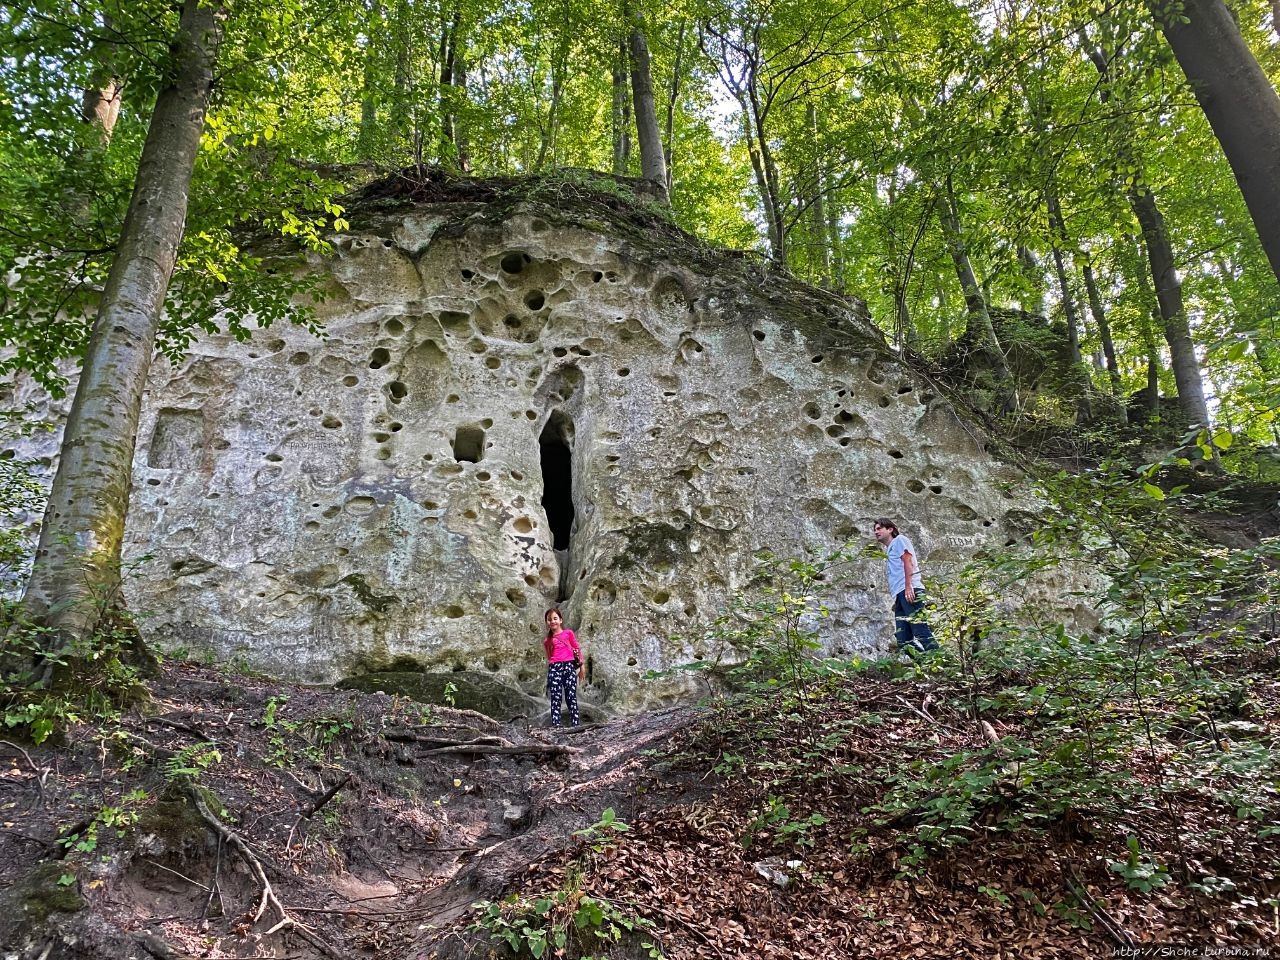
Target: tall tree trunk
<point x="672" y="101"/>
<point x="1150" y="341"/>
<point x="1237" y="98"/>
<point x="1030" y="270"/>
<point x="621" y="113"/>
<point x="547" y="142"/>
<point x="653" y="164"/>
<point x="1104" y="333"/>
<point x="447" y="94"/>
<point x="817" y="204"/>
<point x="1173" y="314"/>
<point x="1168" y="287"/>
<point x="776" y="240"/>
<point x="979" y="329"/>
<point x="369" y="95"/>
<point x="773" y="189"/>
<point x="834" y="244"/>
<point x="1058" y="230"/>
<point x="77" y="562"/>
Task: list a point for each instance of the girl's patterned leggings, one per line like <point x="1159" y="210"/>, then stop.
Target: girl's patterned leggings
<point x="562" y="681"/>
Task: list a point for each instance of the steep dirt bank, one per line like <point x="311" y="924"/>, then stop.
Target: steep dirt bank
<point x="259" y="820"/>
<point x="371" y="818"/>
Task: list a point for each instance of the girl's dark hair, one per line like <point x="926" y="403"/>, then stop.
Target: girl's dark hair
<point x="887" y="524"/>
<point x="549" y="612"/>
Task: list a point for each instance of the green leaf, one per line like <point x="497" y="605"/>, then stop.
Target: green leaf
<point x="1152" y="491"/>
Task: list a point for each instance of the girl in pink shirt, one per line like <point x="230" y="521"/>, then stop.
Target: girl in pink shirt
<point x="565" y="667"/>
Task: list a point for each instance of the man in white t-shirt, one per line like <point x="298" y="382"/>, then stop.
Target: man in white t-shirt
<point x="902" y="566"/>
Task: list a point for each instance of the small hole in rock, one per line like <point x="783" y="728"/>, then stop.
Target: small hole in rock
<point x="515" y="261"/>
<point x="379" y="358"/>
<point x="758" y="334"/>
<point x="535" y="300"/>
<point x="397" y="390"/>
<point x="350" y="381"/>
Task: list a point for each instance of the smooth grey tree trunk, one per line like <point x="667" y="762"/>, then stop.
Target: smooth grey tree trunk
<point x="653" y="164"/>
<point x="1104" y="334"/>
<point x="1173" y="313"/>
<point x="1058" y="229"/>
<point x="672" y="101"/>
<point x="621" y="114"/>
<point x="1238" y="100"/>
<point x="76" y="575"/>
<point x="979" y="328"/>
<point x="817" y="204"/>
<point x="1168" y="286"/>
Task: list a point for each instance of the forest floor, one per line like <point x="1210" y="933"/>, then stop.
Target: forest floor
<point x="356" y="825"/>
<point x="1063" y="800"/>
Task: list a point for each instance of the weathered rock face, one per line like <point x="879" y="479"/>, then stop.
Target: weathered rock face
<point x="506" y="410"/>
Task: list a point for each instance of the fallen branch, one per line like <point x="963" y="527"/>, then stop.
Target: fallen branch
<point x="314" y="807"/>
<point x="1117" y="933"/>
<point x="40" y="775"/>
<point x="310" y="809"/>
<point x="161" y="866"/>
<point x="408" y="736"/>
<point x="510" y="751"/>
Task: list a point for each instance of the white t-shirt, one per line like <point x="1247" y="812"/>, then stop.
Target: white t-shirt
<point x="894" y="569"/>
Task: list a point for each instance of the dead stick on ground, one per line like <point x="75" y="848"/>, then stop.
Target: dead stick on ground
<point x="406" y="736"/>
<point x="40" y="775"/>
<point x="1095" y="909"/>
<point x="161" y="866"/>
<point x="268" y="898"/>
<point x="506" y="751"/>
<point x="314" y="806"/>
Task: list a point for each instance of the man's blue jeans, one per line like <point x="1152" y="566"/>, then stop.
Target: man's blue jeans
<point x="909" y="625"/>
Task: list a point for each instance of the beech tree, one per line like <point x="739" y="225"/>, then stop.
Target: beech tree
<point x="77" y="563"/>
<point x="1238" y="99"/>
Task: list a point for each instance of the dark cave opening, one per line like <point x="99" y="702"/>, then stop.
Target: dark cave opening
<point x="556" y="449"/>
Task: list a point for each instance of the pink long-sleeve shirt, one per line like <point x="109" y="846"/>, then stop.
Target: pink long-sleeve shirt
<point x="562" y="647"/>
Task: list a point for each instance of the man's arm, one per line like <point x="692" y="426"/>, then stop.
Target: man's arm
<point x="908" y="570"/>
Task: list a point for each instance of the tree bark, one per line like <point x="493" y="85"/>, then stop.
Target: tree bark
<point x="673" y="100"/>
<point x="621" y="113"/>
<point x="817" y="205"/>
<point x="653" y="165"/>
<point x="1058" y="229"/>
<point x="1238" y="100"/>
<point x="1150" y="341"/>
<point x="979" y="328"/>
<point x="76" y="575"/>
<point x="1173" y="314"/>
<point x="1104" y="333"/>
<point x="1177" y="331"/>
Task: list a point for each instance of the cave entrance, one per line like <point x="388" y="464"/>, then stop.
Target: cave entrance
<point x="556" y="452"/>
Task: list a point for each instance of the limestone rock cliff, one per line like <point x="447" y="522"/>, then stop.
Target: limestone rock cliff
<point x="511" y="403"/>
